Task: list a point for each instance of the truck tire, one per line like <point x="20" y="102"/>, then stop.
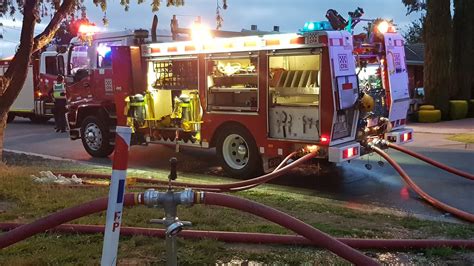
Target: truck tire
<point x="95" y="137"/>
<point x="237" y="153"/>
<point x="10" y="117"/>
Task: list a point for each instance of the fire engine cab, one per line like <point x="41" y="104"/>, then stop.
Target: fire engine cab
<point x="34" y="101"/>
<point x="256" y="99"/>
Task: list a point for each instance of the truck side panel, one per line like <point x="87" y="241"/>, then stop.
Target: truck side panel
<point x="398" y="79"/>
<point x="25" y="100"/>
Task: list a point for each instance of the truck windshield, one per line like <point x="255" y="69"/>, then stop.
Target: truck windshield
<point x="79" y="59"/>
<point x="370" y="78"/>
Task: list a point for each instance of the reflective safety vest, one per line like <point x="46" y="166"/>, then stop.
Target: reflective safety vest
<point x="58" y="91"/>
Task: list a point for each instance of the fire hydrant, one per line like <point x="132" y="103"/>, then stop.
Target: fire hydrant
<point x="169" y="201"/>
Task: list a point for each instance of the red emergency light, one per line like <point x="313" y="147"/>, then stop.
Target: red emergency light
<point x="350" y="152"/>
<point x="324" y="139"/>
<point x="88" y="29"/>
<point x="406" y="137"/>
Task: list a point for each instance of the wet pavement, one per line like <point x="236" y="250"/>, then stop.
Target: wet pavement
<point x="350" y="182"/>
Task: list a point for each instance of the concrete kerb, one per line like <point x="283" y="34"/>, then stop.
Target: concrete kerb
<point x="55" y="158"/>
<point x="445" y="127"/>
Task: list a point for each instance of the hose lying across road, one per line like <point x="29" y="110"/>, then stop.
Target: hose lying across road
<point x="432" y="162"/>
<point x="234" y="186"/>
<point x="438" y="204"/>
<point x="261" y="238"/>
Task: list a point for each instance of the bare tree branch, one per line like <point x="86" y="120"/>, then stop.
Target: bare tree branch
<point x="47" y="35"/>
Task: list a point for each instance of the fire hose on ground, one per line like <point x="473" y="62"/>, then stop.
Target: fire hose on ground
<point x="436" y="203"/>
<point x="234" y="186"/>
<point x="280" y="170"/>
<point x="208" y="198"/>
<point x="308" y="234"/>
<point x="312" y="235"/>
<point x="260" y="238"/>
<point x="432" y="162"/>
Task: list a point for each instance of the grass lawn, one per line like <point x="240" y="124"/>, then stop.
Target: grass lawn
<point x="464" y="137"/>
<point x="23" y="201"/>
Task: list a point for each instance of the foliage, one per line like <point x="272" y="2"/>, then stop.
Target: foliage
<point x="63" y="34"/>
<point x="414" y="5"/>
<point x="414" y="33"/>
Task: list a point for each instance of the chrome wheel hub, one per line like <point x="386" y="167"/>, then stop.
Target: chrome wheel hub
<point x="235" y="151"/>
<point x="93" y="136"/>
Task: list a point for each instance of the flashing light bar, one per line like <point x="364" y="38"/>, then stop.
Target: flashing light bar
<point x="227" y="44"/>
<point x="88" y="29"/>
<point x="200" y="32"/>
<point x="316" y="25"/>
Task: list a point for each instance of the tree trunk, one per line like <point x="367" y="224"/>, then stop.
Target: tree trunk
<point x="462" y="64"/>
<point x="437" y="54"/>
<point x="12" y="81"/>
<point x="17" y="71"/>
<point x="3" y="123"/>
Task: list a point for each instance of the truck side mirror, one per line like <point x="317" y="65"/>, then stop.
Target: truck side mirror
<point x="80" y="74"/>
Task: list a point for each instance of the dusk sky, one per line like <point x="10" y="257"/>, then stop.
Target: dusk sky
<point x="290" y="15"/>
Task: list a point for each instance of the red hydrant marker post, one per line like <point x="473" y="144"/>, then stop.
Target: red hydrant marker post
<point x="116" y="194"/>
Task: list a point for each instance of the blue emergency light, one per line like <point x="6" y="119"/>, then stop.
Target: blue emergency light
<point x="103" y="50"/>
<point x="316" y="25"/>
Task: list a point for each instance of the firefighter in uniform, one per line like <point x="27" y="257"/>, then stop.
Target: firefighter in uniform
<point x="59" y="96"/>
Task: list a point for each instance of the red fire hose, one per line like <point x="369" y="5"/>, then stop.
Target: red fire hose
<point x="61" y="217"/>
<point x="440" y="205"/>
<point x="432" y="162"/>
<point x="235" y="186"/>
<point x="313" y="236"/>
<point x="53" y="220"/>
<point x="260" y="238"/>
<point x="287" y="221"/>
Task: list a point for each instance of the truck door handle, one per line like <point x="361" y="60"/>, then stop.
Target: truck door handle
<point x="86" y="85"/>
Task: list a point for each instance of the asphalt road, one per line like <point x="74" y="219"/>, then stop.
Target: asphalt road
<point x="351" y="182"/>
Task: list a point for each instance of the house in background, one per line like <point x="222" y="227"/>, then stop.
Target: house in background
<point x="415" y="56"/>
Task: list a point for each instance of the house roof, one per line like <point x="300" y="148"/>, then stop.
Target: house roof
<point x="415" y="54"/>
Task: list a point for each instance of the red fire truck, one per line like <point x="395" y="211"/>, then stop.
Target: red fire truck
<point x="34" y="101"/>
<point x="255" y="99"/>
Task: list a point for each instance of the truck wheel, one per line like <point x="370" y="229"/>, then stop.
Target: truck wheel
<point x="10" y="117"/>
<point x="96" y="137"/>
<point x="237" y="153"/>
